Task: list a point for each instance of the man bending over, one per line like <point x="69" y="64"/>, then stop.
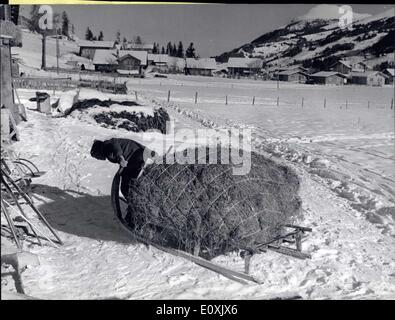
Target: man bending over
<point x="127" y="153"/>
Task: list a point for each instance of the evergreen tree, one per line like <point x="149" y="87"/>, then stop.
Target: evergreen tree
<point x="190" y="53"/>
<point x="94" y="38"/>
<point x="163" y="50"/>
<point x="101" y="36"/>
<point x="180" y="50"/>
<point x="88" y="34"/>
<point x="65" y="24"/>
<point x="118" y="37"/>
<point x="34" y="18"/>
<point x="169" y="49"/>
<point x="174" y="50"/>
<point x="72" y="29"/>
<point x="138" y="40"/>
<point x="124" y="43"/>
<point x="155" y="49"/>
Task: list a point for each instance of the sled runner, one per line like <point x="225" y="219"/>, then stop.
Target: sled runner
<point x="293" y="237"/>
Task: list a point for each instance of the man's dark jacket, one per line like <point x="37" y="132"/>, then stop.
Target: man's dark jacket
<point x="114" y="148"/>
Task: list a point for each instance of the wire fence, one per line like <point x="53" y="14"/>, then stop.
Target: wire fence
<point x="198" y="98"/>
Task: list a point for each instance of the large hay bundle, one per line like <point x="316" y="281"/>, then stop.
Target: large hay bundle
<point x="206" y="210"/>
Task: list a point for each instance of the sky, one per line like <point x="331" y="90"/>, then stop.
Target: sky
<point x="213" y="28"/>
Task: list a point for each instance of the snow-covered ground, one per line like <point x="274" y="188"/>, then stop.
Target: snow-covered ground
<point x="351" y="258"/>
<point x="344" y="157"/>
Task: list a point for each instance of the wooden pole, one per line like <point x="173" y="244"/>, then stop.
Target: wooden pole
<point x="43" y="51"/>
<point x="324" y="103"/>
<point x="168" y="96"/>
<point x="302" y="102"/>
<point x="253" y="100"/>
<point x="30" y="203"/>
<point x="196" y="95"/>
<point x="392" y="103"/>
<point x="346" y="104"/>
<point x="226" y="100"/>
<point x="136" y="94"/>
<point x="10" y="225"/>
<point x="57" y="51"/>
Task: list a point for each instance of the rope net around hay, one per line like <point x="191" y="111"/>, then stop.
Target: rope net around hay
<point x="204" y="209"/>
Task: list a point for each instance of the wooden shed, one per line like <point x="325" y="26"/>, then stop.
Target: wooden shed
<point x="200" y="67"/>
<point x="328" y="78"/>
<point x="293" y="75"/>
<point x="88" y="48"/>
<point x="105" y="60"/>
<point x="369" y="78"/>
<point x="244" y="66"/>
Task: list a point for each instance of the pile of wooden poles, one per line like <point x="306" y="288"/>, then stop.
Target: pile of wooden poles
<point x="16" y="176"/>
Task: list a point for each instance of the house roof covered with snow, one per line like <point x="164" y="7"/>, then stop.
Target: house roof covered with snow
<point x="291" y="71"/>
<point x="390" y="71"/>
<point x="105" y="57"/>
<point x="158" y="58"/>
<point x="96" y="44"/>
<point x="326" y="74"/>
<point x="112" y="56"/>
<point x="176" y="62"/>
<point x="253" y="63"/>
<point x="140" y="55"/>
<point x="203" y="63"/>
<point x="365" y="74"/>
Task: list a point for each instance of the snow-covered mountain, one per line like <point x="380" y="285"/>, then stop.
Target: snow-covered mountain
<point x="316" y="39"/>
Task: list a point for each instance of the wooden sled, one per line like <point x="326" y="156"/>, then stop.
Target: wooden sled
<point x="241" y="277"/>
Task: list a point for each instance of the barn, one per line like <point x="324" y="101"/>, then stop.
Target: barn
<point x="200" y="67"/>
<point x="390" y="73"/>
<point x="293" y="75"/>
<point x="105" y="60"/>
<point x="346" y="66"/>
<point x="341" y="66"/>
<point x="161" y="61"/>
<point x="125" y="61"/>
<point x="88" y="48"/>
<point x="132" y="60"/>
<point x="244" y="66"/>
<point x="370" y="78"/>
<point x="328" y="78"/>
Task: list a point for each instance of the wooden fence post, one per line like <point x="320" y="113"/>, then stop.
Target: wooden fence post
<point x="392" y="103"/>
<point x="226" y="100"/>
<point x="168" y="96"/>
<point x="196" y="95"/>
<point x="325" y="103"/>
<point x="346" y="104"/>
<point x="253" y="100"/>
<point x="136" y="94"/>
<point x="302" y="101"/>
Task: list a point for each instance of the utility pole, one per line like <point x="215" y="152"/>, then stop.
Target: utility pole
<point x="44" y="40"/>
<point x="57" y="50"/>
<point x="278" y="83"/>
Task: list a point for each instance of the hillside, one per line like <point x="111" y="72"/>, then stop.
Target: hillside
<point x="316" y="39"/>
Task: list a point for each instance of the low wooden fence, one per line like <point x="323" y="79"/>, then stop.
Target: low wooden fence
<point x="68" y="83"/>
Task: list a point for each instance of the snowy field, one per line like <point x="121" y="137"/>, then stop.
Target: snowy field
<point x="351" y="259"/>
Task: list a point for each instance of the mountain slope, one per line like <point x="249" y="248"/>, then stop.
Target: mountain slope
<point x="317" y="36"/>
